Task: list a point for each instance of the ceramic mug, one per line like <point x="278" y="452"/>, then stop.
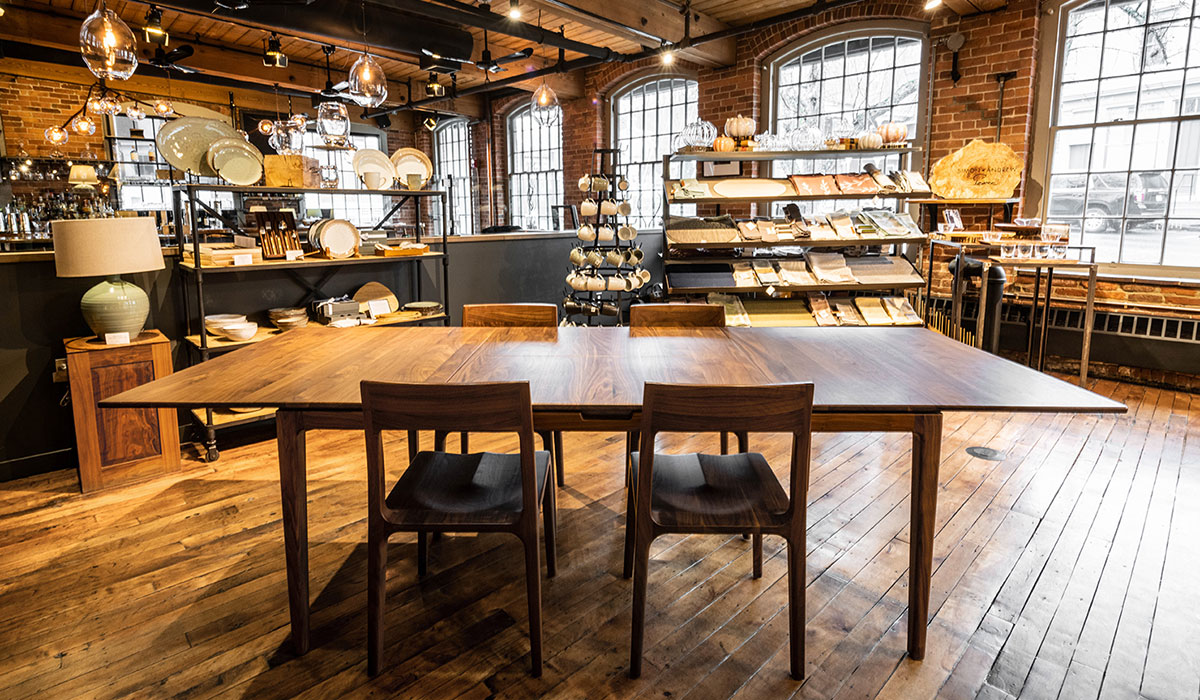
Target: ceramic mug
<point x="645" y="275"/>
<point x="627" y="233"/>
<point x="577" y="281"/>
<point x="586" y="233"/>
<point x="570" y="306"/>
<point x="596" y="283"/>
<point x="608" y="207"/>
<point x="588" y="207"/>
<point x="605" y="233"/>
<point x="595" y="258"/>
<point x="585" y="183"/>
<point x="614" y="257"/>
<point x="635" y="282"/>
<point x="577" y="256"/>
<point x="616" y="283"/>
<point x="599" y="183"/>
<point x="609" y="309"/>
<point x="634" y="256"/>
<point x="622" y="184"/>
<point x="625" y="208"/>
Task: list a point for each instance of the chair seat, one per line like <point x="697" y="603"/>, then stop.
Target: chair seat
<point x="715" y="491"/>
<point x="483" y="488"/>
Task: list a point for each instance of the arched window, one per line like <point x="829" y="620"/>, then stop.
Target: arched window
<point x="535" y="171"/>
<point x="646" y="116"/>
<point x="850" y="81"/>
<point x="1124" y="152"/>
<point x="452" y="151"/>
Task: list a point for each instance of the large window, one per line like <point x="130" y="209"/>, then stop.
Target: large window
<point x="1124" y="157"/>
<point x="452" y="150"/>
<point x="647" y="115"/>
<point x="535" y="171"/>
<point x="844" y="85"/>
<point x="363" y="211"/>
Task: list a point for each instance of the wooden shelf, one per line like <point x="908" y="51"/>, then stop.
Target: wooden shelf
<point x="853" y="287"/>
<point x="306" y="262"/>
<point x="786" y="197"/>
<point x="938" y="200"/>
<point x="790" y="155"/>
<point x="259" y="189"/>
<point x="223" y="417"/>
<point x="219" y="344"/>
<point x="800" y="242"/>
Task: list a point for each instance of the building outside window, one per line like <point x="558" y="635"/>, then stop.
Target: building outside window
<point x="535" y="171"/>
<point x="844" y="85"/>
<point x="452" y="164"/>
<point x="646" y="116"/>
<point x="1124" y="159"/>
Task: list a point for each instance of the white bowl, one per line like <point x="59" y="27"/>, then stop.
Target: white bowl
<point x="239" y="331"/>
<point x="214" y="322"/>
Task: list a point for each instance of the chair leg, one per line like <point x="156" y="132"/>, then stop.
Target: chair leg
<point x="414" y="444"/>
<point x="463" y="443"/>
<point x="439" y="441"/>
<point x="376" y="592"/>
<point x="630" y="442"/>
<point x="558" y="459"/>
<point x="422" y="553"/>
<point x="724" y="443"/>
<point x="549" y="525"/>
<point x="533" y="592"/>
<point x="757" y="545"/>
<point x="796" y="556"/>
<point x="640" y="566"/>
<point x="743" y="439"/>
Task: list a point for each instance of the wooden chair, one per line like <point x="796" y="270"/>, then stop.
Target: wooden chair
<point x="444" y="492"/>
<point x="668" y="316"/>
<point x="514" y="316"/>
<point x="677" y="316"/>
<point x="699" y="493"/>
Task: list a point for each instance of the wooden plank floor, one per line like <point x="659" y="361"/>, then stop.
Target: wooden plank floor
<point x="1066" y="569"/>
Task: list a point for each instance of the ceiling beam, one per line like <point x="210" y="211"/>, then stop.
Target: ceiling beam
<point x="635" y="19"/>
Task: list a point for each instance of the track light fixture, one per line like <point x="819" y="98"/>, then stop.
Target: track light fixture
<point x="668" y="56"/>
<point x="153" y="31"/>
<point x="433" y="88"/>
<point x="430" y="122"/>
<point x="514" y="9"/>
<point x="273" y="55"/>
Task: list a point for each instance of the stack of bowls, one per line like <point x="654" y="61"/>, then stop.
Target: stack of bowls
<point x="214" y="323"/>
<point x="288" y="318"/>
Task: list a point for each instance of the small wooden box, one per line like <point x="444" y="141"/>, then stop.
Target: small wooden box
<point x="291" y="171"/>
<point x="120" y="445"/>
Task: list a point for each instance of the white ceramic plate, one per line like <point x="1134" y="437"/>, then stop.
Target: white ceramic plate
<point x="374" y="169"/>
<point x="184" y="142"/>
<point x="339" y="238"/>
<point x="411" y="161"/>
<point x="236" y="161"/>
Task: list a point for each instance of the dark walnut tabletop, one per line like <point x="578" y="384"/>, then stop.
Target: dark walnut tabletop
<point x="901" y="370"/>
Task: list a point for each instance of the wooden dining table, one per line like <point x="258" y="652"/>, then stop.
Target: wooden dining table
<point x="591" y="379"/>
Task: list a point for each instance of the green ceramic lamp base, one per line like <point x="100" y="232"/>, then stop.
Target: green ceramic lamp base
<point x="115" y="306"/>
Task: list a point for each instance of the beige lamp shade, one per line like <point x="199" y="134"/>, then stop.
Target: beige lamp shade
<point x="102" y="247"/>
<point x="83" y="175"/>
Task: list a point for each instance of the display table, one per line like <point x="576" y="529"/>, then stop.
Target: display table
<point x="120" y="445"/>
<point x="591" y="379"/>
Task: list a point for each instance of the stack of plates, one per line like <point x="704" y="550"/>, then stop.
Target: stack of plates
<point x="425" y="308"/>
<point x="374" y="169"/>
<point x="184" y="142"/>
<point x="337" y="238"/>
<point x="411" y="161"/>
<point x="288" y="318"/>
<point x="237" y="161"/>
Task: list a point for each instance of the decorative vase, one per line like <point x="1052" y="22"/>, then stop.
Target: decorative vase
<point x="115" y="306"/>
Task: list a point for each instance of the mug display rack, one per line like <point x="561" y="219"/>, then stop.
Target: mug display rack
<point x="607" y="266"/>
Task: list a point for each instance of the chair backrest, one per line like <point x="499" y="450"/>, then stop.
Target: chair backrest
<point x="677" y="316"/>
<point x="510" y="315"/>
<point x="775" y="408"/>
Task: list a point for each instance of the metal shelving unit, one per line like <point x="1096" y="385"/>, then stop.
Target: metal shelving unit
<point x="910" y="247"/>
<point x="187" y="206"/>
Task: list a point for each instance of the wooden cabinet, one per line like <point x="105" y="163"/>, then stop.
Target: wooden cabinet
<point x="120" y="445"/>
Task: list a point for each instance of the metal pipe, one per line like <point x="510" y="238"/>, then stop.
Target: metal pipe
<point x="493" y="22"/>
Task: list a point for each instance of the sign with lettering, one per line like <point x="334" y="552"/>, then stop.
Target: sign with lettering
<point x="978" y="170"/>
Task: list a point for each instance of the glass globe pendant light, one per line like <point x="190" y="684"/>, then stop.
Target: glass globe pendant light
<point x="135" y="112"/>
<point x="368" y="84"/>
<point x="108" y="45"/>
<point x="57" y="135"/>
<point x="544" y="105"/>
<point x="83" y="125"/>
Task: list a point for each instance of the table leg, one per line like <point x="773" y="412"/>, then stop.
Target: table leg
<point x="983" y="299"/>
<point x="290" y="433"/>
<point x="1041" y="365"/>
<point x="927" y="453"/>
<point x="1033" y="310"/>
<point x="1089" y="320"/>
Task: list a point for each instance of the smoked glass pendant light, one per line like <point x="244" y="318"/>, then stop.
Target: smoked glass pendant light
<point x="108" y="45"/>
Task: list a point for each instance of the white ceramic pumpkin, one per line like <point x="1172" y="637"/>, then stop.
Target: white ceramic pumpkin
<point x="740" y="127"/>
<point x="893" y="132"/>
<point x="870" y="140"/>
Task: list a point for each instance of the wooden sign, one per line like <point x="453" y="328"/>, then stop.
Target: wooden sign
<point x="978" y="171"/>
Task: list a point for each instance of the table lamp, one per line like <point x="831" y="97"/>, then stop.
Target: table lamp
<point x="109" y="248"/>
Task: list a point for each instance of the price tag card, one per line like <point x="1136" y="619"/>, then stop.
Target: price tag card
<point x="243" y="259"/>
<point x="377" y="307"/>
<point x="293" y="254"/>
<point x="116" y="338"/>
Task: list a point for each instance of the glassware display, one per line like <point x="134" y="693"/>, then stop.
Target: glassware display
<point x="699" y="134"/>
<point x="108" y="46"/>
<point x="805" y="137"/>
<point x="287" y="139"/>
<point x="333" y="124"/>
<point x="1025" y="250"/>
<point x="329" y="177"/>
<point x="368" y="84"/>
<point x="1007" y="250"/>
